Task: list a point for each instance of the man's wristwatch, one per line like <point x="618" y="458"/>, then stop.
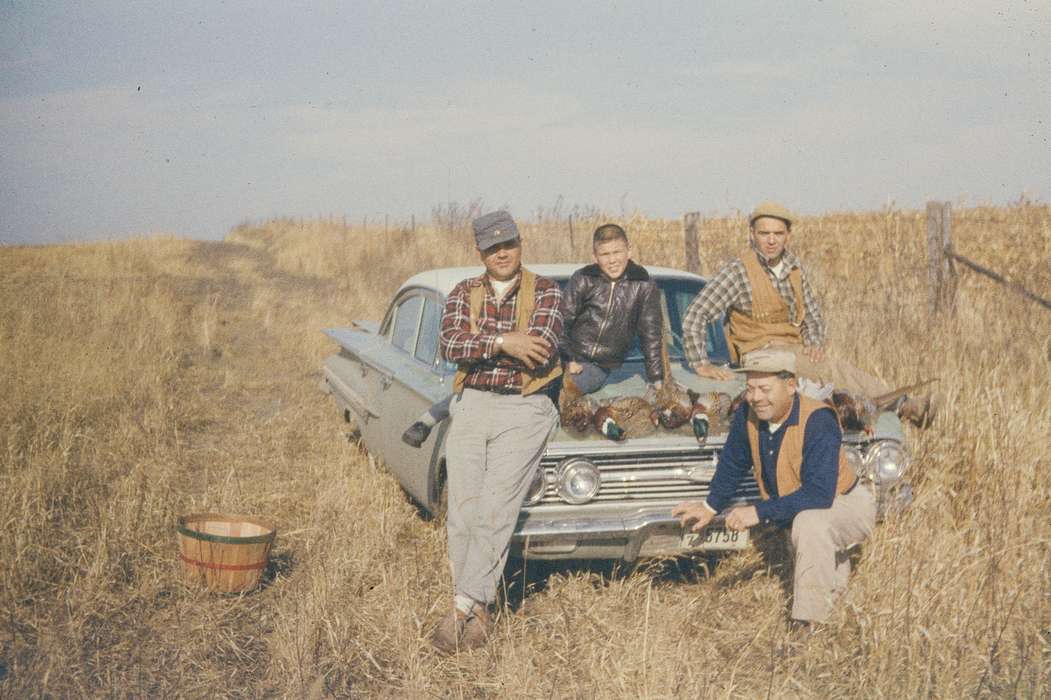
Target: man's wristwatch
<point x="499" y="342"/>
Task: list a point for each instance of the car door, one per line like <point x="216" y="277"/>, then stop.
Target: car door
<point x="417" y="378"/>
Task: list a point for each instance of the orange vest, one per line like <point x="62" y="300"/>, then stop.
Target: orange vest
<point x="525" y="303"/>
<point x="790" y="458"/>
<point x="769" y="321"/>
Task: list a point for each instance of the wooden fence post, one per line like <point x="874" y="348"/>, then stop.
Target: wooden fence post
<point x="935" y="253"/>
<point x="948" y="266"/>
<point x="572" y="241"/>
<point x="693" y="257"/>
<point x="941" y="272"/>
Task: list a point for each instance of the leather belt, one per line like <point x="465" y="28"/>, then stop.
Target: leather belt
<point x="505" y="390"/>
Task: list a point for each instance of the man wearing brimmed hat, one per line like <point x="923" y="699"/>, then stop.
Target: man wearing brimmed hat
<point x="502" y="330"/>
<point x="791" y="444"/>
<point x="767" y="300"/>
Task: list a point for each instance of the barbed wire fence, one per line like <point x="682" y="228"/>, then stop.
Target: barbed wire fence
<point x="941" y="264"/>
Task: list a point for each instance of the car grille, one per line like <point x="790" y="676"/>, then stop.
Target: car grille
<point x="664" y="476"/>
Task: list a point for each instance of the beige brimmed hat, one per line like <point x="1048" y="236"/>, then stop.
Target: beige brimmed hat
<point x="768" y="360"/>
<point x="771" y="209"/>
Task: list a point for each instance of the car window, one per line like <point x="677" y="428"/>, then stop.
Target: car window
<point x="406" y="320"/>
<point x="427" y="345"/>
<point x="677" y="296"/>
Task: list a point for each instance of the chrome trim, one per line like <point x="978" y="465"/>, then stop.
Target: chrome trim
<point x="636" y="526"/>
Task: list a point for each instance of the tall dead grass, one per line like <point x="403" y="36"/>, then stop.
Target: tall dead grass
<point x="145" y="379"/>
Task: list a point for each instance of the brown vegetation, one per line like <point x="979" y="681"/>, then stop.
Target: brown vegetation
<point x="147" y="379"/>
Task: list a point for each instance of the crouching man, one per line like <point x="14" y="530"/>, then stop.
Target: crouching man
<point x="791" y="443"/>
<point x="502" y="329"/>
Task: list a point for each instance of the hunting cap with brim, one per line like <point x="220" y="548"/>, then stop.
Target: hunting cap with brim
<point x="773" y="210"/>
<point x="768" y="360"/>
<point x="494" y="228"/>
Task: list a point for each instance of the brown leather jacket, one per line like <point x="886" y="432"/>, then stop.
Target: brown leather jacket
<point x="601" y="318"/>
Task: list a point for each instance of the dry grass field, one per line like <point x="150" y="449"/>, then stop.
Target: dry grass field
<point x="150" y="378"/>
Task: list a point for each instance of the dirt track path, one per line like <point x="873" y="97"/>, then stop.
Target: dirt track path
<point x="255" y="392"/>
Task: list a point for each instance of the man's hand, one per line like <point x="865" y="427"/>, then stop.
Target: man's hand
<point x="574" y="367"/>
<point x="742" y="518"/>
<point x="816" y="353"/>
<point x="530" y="349"/>
<point x="710" y="371"/>
<point x="695" y="512"/>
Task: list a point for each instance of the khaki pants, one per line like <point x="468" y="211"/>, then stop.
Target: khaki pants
<point x="493" y="448"/>
<point x="820" y="540"/>
<point x="838" y="373"/>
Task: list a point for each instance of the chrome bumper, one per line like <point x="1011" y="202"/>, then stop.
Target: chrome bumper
<point x="550" y="535"/>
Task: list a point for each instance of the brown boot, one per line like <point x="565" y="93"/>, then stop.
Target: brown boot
<point x="918" y="410"/>
<point x="447" y="637"/>
<point x="476" y="630"/>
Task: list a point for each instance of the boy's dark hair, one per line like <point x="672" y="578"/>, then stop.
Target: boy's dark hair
<point x="608" y="232"/>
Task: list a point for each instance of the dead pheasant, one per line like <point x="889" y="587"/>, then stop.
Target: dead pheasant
<point x="624" y="417"/>
<point x="855" y="411"/>
<point x="673" y="403"/>
<point x="576" y="409"/>
<point x="710" y="414"/>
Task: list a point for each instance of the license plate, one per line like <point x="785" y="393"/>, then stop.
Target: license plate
<point x="715" y="539"/>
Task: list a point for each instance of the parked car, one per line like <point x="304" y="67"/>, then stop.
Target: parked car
<point x="591" y="498"/>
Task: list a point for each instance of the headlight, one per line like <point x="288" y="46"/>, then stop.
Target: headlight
<point x="536" y="489"/>
<point x="578" y="481"/>
<point x="855" y="460"/>
<point x="887" y="462"/>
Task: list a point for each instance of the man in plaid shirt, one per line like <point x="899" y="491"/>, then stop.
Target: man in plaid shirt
<point x="502" y="329"/>
<point x="767" y="299"/>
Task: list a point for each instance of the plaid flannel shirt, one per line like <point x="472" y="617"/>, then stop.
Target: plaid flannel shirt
<point x="729" y="289"/>
<point x="486" y="369"/>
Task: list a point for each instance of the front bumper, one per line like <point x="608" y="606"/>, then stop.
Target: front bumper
<point x="639" y="532"/>
<point x="647" y="531"/>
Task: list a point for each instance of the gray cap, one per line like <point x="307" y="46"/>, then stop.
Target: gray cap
<point x="768" y="360"/>
<point x="494" y="228"/>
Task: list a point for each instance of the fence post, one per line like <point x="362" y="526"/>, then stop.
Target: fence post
<point x="948" y="265"/>
<point x="935" y="256"/>
<point x="693" y="258"/>
<point x="941" y="272"/>
<point x="572" y="241"/>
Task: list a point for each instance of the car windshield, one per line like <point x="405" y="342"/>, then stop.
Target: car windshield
<point x="676" y="295"/>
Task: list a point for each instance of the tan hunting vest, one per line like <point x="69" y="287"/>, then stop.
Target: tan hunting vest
<point x="790" y="458"/>
<point x="525" y="303"/>
<point x="769" y="321"/>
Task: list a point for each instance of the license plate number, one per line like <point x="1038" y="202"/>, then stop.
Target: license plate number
<point x="715" y="538"/>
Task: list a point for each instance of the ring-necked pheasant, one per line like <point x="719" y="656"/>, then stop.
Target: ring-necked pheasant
<point x="576" y="409"/>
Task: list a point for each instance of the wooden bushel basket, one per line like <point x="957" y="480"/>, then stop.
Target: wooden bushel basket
<point x="225" y="553"/>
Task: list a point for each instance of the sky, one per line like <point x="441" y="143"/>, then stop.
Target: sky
<point x="188" y="118"/>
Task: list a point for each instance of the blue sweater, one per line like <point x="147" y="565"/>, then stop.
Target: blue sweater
<point x="822" y="438"/>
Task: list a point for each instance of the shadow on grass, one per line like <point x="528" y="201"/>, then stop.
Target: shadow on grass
<point x="281" y="564"/>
